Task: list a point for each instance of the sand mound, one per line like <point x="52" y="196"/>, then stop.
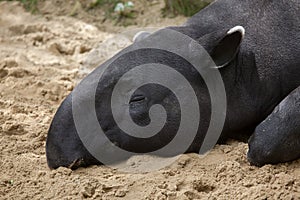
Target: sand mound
<point x="41" y="59"/>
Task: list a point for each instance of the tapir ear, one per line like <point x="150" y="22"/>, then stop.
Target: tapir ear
<point x="227" y="48"/>
<point x="140" y="35"/>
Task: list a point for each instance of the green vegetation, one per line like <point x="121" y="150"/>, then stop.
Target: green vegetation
<point x="184" y="7"/>
<point x="110" y="3"/>
<point x="123" y="12"/>
<point x="121" y="16"/>
<point x="30" y="5"/>
<point x="120" y="11"/>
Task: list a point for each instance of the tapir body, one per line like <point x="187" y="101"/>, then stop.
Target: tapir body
<point x="256" y="46"/>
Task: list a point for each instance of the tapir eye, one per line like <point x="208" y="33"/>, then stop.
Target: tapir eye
<point x="137" y="99"/>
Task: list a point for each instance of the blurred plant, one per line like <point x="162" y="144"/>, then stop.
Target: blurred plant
<point x="184" y="7"/>
<point x="30" y="5"/>
<point x="120" y="7"/>
<point x="125" y="10"/>
<point x="117" y="10"/>
<point x="110" y="3"/>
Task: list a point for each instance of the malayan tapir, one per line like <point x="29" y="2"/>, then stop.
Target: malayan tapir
<point x="256" y="46"/>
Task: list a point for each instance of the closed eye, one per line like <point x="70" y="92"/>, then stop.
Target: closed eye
<point x="137" y="99"/>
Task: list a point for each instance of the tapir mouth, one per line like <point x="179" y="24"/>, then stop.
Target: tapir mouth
<point x="79" y="162"/>
<point x="71" y="161"/>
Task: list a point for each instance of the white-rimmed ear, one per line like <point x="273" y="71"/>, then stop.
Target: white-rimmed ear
<point x="140" y="36"/>
<point x="237" y="28"/>
<point x="228" y="46"/>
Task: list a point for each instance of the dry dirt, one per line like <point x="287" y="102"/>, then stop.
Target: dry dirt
<point x="41" y="59"/>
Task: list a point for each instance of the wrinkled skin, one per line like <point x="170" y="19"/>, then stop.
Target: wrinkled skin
<point x="259" y="70"/>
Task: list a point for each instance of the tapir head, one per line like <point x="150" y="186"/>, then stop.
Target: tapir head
<point x="94" y="101"/>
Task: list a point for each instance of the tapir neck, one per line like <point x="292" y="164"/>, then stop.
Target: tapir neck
<point x="267" y="66"/>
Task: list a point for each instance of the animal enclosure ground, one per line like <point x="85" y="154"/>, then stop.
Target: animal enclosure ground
<point x="41" y="60"/>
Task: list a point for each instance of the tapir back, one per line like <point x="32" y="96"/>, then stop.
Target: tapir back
<point x="272" y="29"/>
<point x="272" y="36"/>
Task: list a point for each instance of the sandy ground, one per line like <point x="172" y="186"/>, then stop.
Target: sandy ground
<point x="41" y="59"/>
